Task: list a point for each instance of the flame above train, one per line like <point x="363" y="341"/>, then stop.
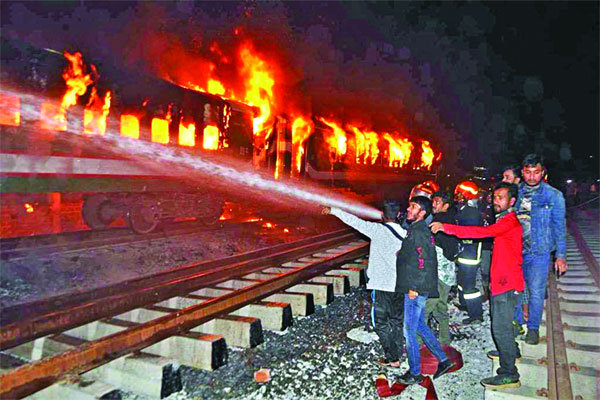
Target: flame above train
<point x="259" y="82"/>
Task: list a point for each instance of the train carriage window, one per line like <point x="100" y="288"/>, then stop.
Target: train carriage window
<point x="130" y="126"/>
<point x="210" y="139"/>
<point x="187" y="134"/>
<point x="160" y="130"/>
<point x="10" y="110"/>
<point x="52" y="117"/>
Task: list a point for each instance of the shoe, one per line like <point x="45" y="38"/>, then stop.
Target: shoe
<point x="501" y="382"/>
<point x="409" y="379"/>
<point x="532" y="337"/>
<point x="392" y="364"/>
<point x="469" y="321"/>
<point x="520" y="329"/>
<point x="496" y="354"/>
<point x="442" y="368"/>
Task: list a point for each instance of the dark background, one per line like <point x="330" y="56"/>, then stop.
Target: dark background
<point x="486" y="82"/>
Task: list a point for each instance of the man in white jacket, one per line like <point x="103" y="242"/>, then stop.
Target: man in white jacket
<point x="387" y="306"/>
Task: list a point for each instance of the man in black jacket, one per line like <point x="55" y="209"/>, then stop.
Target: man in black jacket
<point x="447" y="249"/>
<point x="417" y="278"/>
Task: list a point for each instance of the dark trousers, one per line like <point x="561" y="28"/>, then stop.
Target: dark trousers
<point x="504" y="332"/>
<point x="486" y="263"/>
<point x="438" y="306"/>
<point x="468" y="294"/>
<point x="387" y="315"/>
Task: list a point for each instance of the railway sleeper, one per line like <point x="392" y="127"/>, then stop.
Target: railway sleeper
<point x="533" y="374"/>
<point x="237" y="331"/>
<point x="198" y="350"/>
<point x="142" y="373"/>
<point x="356" y="276"/>
<point x="322" y="292"/>
<point x="341" y="284"/>
<point x="302" y="303"/>
<point x="275" y="316"/>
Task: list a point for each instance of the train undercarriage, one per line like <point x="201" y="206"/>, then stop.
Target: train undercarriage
<point x="145" y="211"/>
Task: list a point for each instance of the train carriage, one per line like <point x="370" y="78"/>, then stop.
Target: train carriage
<point x="41" y="153"/>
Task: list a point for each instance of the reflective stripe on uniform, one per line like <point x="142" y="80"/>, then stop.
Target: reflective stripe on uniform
<point x="468" y="261"/>
<point x="460" y="288"/>
<point x="470" y="296"/>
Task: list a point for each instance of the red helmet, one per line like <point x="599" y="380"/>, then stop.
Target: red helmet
<point x="467" y="189"/>
<point x="427" y="189"/>
<point x="432" y="185"/>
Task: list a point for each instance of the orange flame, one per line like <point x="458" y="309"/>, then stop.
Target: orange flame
<point x="215" y="87"/>
<point x="95" y="113"/>
<point x="367" y="148"/>
<point x="10" y="110"/>
<point x="77" y="83"/>
<point x="400" y="150"/>
<point x="130" y="126"/>
<point x="28" y="208"/>
<point x="301" y="130"/>
<point x="210" y="140"/>
<point x="337" y="140"/>
<point x="426" y="155"/>
<point x="259" y="84"/>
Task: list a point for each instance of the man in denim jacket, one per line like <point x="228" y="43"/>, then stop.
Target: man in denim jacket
<point x="541" y="211"/>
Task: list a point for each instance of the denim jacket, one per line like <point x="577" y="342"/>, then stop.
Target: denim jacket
<point x="548" y="225"/>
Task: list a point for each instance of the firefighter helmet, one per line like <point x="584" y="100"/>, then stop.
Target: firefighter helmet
<point x="467" y="189"/>
<point x="427" y="189"/>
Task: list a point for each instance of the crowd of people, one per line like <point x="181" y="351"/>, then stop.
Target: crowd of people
<point x="444" y="240"/>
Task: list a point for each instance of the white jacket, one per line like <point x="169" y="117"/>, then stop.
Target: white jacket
<point x="382" y="253"/>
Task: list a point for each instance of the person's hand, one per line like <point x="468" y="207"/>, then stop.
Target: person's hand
<point x="412" y="294"/>
<point x="326" y="210"/>
<point x="561" y="265"/>
<point x="436" y="227"/>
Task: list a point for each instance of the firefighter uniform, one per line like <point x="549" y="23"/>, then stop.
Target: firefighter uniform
<point x="468" y="261"/>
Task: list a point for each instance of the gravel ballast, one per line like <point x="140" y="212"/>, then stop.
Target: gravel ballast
<point x="332" y="355"/>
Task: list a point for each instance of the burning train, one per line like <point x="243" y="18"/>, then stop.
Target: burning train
<point x="53" y="108"/>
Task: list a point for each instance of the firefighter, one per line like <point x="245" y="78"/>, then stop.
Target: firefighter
<point x="427" y="189"/>
<point x="469" y="256"/>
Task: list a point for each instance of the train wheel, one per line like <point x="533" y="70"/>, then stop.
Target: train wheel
<point x="97" y="211"/>
<point x="212" y="214"/>
<point x="144" y="214"/>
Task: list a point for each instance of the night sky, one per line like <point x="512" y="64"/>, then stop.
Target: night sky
<point x="559" y="42"/>
<point x="554" y="42"/>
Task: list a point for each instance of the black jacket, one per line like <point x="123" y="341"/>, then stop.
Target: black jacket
<point x="448" y="243"/>
<point x="416" y="263"/>
<point x="470" y="249"/>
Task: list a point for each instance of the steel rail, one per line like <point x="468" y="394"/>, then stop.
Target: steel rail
<point x="49" y="244"/>
<point x="26" y="322"/>
<point x="559" y="378"/>
<point x="35" y="376"/>
<point x="589" y="258"/>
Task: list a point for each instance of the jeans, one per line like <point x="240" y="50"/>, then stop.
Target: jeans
<point x="504" y="332"/>
<point x="386" y="317"/>
<point x="439" y="307"/>
<point x="414" y="322"/>
<point x="535" y="272"/>
<point x="468" y="294"/>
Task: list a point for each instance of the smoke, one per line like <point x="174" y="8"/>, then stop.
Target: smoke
<point x="190" y="42"/>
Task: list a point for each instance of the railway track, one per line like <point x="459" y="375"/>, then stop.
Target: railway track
<point x="12" y="249"/>
<point x="565" y="364"/>
<point x="183" y="315"/>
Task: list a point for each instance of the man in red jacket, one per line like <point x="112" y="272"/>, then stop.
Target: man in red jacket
<point x="506" y="278"/>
